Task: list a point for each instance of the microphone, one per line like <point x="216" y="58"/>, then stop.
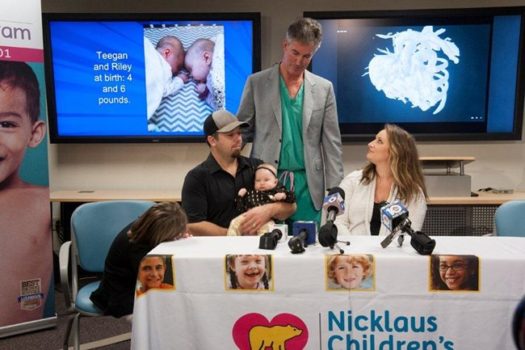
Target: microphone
<point x="392" y="215"/>
<point x="303" y="235"/>
<point x="284" y="230"/>
<point x="422" y="243"/>
<point x="328" y="237"/>
<point x="269" y="240"/>
<point x="297" y="243"/>
<point x="334" y="205"/>
<point x="395" y="218"/>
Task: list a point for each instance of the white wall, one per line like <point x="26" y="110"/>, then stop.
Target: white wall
<point x="163" y="166"/>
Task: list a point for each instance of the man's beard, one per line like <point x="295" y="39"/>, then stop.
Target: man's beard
<point x="236" y="153"/>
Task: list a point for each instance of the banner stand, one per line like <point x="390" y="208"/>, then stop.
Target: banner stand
<point x="27" y="300"/>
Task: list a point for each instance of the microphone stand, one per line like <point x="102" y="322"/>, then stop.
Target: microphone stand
<point x="341" y="251"/>
<point x="333" y="237"/>
<point x="400" y="239"/>
<point x="388" y="239"/>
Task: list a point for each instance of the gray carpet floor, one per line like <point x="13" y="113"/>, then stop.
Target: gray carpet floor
<point x="92" y="331"/>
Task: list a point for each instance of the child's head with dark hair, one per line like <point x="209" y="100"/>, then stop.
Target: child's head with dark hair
<point x="455" y="272"/>
<point x="19" y="124"/>
<point x="151" y="273"/>
<point x="19" y="75"/>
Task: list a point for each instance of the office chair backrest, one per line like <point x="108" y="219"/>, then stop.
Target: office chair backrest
<point x="95" y="225"/>
<point x="510" y="219"/>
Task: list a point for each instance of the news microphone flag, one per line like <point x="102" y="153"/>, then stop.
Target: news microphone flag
<point x="333" y="204"/>
<point x="392" y="214"/>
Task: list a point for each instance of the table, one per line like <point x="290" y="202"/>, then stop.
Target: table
<point x="64" y="196"/>
<point x="84" y="196"/>
<point x="398" y="309"/>
<point x="446" y="163"/>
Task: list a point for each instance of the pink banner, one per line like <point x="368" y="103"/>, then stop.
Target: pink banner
<point x="21" y="54"/>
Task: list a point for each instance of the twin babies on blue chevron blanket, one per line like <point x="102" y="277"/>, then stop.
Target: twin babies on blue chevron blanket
<point x="168" y="68"/>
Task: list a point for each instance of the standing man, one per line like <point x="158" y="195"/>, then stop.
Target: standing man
<point x="210" y="189"/>
<point x="292" y="120"/>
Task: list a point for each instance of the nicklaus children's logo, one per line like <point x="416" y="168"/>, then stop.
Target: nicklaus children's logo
<point x="283" y="332"/>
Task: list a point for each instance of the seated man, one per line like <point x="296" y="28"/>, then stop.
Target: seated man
<point x="209" y="190"/>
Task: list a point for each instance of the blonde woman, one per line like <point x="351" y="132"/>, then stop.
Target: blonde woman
<point x="393" y="172"/>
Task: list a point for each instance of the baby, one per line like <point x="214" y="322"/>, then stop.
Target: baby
<point x="164" y="70"/>
<point x="350" y="271"/>
<point x="201" y="60"/>
<point x="266" y="190"/>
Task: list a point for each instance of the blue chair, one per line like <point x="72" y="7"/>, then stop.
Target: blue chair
<point x="93" y="228"/>
<point x="510" y="219"/>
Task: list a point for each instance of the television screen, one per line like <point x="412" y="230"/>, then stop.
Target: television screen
<point x="441" y="74"/>
<point x="145" y="78"/>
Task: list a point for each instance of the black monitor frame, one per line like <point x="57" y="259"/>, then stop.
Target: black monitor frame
<point x="437" y="132"/>
<point x="55" y="137"/>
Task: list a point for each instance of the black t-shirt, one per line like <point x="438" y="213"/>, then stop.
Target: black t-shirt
<point x="116" y="293"/>
<point x="375" y="222"/>
<point x="209" y="193"/>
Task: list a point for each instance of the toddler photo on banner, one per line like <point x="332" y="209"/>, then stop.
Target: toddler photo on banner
<point x="26" y="256"/>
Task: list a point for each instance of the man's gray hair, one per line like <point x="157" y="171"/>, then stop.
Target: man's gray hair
<point x="306" y="31"/>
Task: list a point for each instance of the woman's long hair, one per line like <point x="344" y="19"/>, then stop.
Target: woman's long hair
<point x="404" y="164"/>
<point x="161" y="223"/>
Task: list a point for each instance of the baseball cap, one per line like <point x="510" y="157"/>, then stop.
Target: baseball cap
<point x="221" y="121"/>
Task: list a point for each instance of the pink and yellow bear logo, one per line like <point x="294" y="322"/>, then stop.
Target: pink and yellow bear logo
<point x="284" y="332"/>
<point x="262" y="337"/>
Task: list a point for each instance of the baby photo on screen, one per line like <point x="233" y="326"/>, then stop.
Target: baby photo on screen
<point x="184" y="68"/>
<point x="155" y="272"/>
<point x="454" y="272"/>
<point x="248" y="272"/>
<point x="350" y="272"/>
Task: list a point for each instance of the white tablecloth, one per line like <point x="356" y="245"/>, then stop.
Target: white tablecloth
<point x="399" y="312"/>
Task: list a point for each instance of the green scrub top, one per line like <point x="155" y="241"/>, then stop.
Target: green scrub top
<point x="292" y="154"/>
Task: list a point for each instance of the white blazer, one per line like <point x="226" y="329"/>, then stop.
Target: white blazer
<point x="359" y="204"/>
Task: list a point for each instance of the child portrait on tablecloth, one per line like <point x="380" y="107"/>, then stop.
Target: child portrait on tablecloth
<point x="266" y="189"/>
<point x="454" y="272"/>
<point x="354" y="271"/>
<point x="152" y="274"/>
<point x="252" y="272"/>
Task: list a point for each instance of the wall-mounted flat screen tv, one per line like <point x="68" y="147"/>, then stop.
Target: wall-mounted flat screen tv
<point x="448" y="74"/>
<point x="121" y="77"/>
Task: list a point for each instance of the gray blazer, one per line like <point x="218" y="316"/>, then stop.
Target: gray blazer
<point x="260" y="107"/>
